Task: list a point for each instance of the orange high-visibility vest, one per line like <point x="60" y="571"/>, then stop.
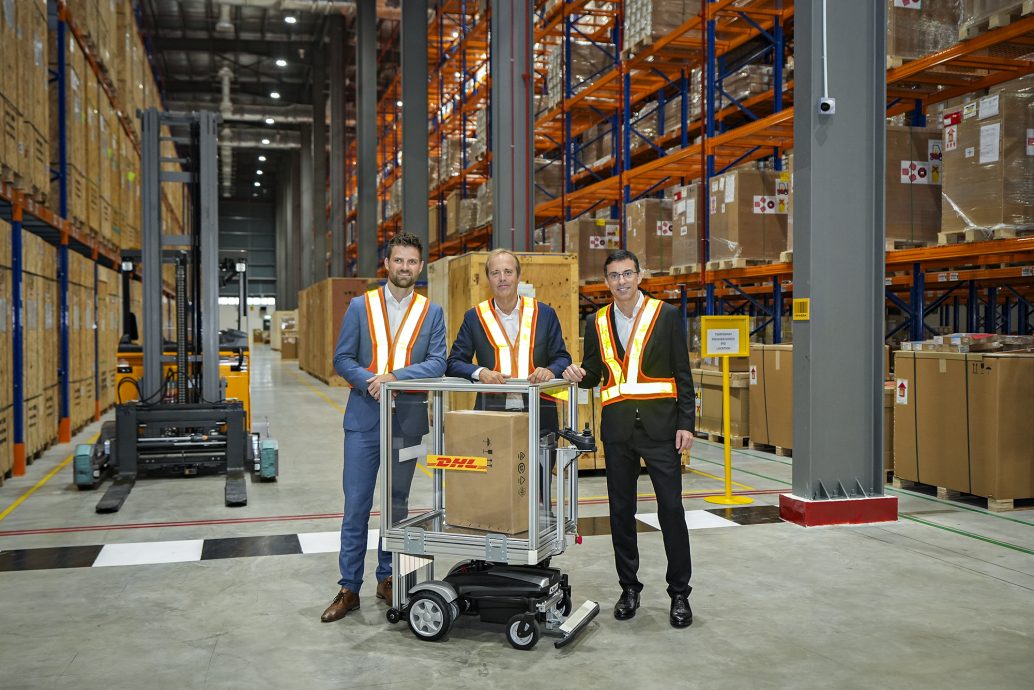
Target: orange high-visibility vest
<point x="626" y="380"/>
<point x="391" y="353"/>
<point x="516" y="360"/>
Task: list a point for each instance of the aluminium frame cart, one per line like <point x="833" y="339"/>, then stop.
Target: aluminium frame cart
<point x="183" y="424"/>
<point x="507" y="575"/>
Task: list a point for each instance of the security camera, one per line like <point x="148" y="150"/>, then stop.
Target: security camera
<point x="827" y="106"/>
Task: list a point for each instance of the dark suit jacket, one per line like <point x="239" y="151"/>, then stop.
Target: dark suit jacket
<point x="665" y="355"/>
<point x="549" y="352"/>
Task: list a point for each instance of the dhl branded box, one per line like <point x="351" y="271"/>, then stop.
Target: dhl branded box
<point x="494" y="499"/>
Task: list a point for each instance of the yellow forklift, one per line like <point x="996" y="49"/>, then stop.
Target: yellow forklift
<point x="184" y="405"/>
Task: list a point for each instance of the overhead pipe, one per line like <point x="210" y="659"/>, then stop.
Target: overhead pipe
<point x="225" y="136"/>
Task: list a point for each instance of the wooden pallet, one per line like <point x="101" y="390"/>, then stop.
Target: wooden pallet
<point x="786" y="257"/>
<point x="334" y="381"/>
<point x="1004" y="505"/>
<point x="726" y="264"/>
<point x="894" y="245"/>
<point x="685" y="269"/>
<point x="957" y="236"/>
<point x="995" y="505"/>
<point x="1003" y="17"/>
<point x="735" y="441"/>
<point x="775" y="450"/>
<point x="1012" y="233"/>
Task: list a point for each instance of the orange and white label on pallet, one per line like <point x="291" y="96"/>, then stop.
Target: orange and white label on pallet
<point x="463" y="463"/>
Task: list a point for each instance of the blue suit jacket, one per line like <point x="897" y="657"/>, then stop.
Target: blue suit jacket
<point x="353" y="355"/>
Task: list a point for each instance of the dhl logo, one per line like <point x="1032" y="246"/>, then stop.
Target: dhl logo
<point x="463" y="463"/>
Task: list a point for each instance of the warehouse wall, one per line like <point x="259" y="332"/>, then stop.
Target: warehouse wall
<point x="250" y="226"/>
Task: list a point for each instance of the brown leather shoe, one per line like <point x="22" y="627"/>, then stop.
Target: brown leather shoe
<point x="345" y="601"/>
<point x="384" y="590"/>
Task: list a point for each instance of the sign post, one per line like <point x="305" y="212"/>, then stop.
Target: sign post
<point x="725" y="337"/>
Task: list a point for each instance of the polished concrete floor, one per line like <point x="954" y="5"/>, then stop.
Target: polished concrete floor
<point x="942" y="598"/>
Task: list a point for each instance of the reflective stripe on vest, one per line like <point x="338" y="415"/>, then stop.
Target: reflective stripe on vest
<point x="626" y="380"/>
<point x="521" y="363"/>
<point x="390" y="353"/>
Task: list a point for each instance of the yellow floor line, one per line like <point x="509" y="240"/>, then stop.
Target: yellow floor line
<point x="50" y="475"/>
<point x="721" y="479"/>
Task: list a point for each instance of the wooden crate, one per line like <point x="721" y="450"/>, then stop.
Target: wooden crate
<point x="6" y="380"/>
<point x="321" y="307"/>
<point x="6" y="441"/>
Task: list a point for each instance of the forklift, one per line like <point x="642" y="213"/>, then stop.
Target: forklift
<point x="183" y="405"/>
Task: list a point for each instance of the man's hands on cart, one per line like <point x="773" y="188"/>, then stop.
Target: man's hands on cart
<point x="574" y="373"/>
<point x="375" y="383"/>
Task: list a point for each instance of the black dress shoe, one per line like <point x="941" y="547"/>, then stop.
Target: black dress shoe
<point x="628" y="602"/>
<point x="681" y="615"/>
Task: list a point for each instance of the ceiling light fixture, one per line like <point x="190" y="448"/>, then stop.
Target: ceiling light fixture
<point x="291" y="19"/>
<point x="398" y="103"/>
<point x="270" y="121"/>
<point x="281" y="62"/>
<point x="262" y="159"/>
<point x="274" y="94"/>
<point x="265" y="142"/>
<point x="258" y="172"/>
<point x="257" y="183"/>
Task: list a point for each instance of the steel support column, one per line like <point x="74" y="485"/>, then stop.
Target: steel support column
<point x="207" y="185"/>
<point x="839" y="254"/>
<point x="305" y="184"/>
<point x="414" y="118"/>
<point x="366" y="135"/>
<point x="336" y="74"/>
<point x="512" y="123"/>
<point x="319" y="164"/>
<point x="151" y="251"/>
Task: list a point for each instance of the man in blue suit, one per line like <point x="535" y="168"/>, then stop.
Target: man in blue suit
<point x="512" y="337"/>
<point x="388" y="334"/>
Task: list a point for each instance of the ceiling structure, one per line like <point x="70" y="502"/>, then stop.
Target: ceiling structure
<point x="266" y="48"/>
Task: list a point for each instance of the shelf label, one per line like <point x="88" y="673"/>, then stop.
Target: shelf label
<point x="802" y="309"/>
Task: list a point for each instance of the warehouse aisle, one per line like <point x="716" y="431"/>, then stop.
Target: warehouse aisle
<point x="945" y="592"/>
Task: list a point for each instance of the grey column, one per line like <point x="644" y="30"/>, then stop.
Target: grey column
<point x="838" y="251"/>
<point x="208" y="171"/>
<point x="305" y="223"/>
<point x="414" y="118"/>
<point x="295" y="236"/>
<point x="281" y="244"/>
<point x="319" y="164"/>
<point x="366" y="135"/>
<point x="512" y="123"/>
<point x="151" y="249"/>
<point x="336" y="74"/>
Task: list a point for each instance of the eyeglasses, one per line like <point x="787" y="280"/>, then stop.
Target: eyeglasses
<point x="627" y="275"/>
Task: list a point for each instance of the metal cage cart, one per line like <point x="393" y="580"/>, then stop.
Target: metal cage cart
<point x="505" y="577"/>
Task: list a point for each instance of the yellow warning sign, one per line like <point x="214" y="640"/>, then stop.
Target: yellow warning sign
<point x="802" y="309"/>
<point x="463" y="463"/>
<point x="725" y="336"/>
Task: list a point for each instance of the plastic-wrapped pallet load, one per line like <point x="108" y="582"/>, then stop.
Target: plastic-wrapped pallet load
<point x="980" y="15"/>
<point x="915" y="29"/>
<point x="549" y="238"/>
<point x="588" y="60"/>
<point x="468" y="215"/>
<point x="648" y="20"/>
<point x="748" y="215"/>
<point x="988" y="182"/>
<point x="913" y="183"/>
<point x="484" y="203"/>
<point x="549" y="177"/>
<point x="748" y="81"/>
<point x="648" y="233"/>
<point x="684" y="244"/>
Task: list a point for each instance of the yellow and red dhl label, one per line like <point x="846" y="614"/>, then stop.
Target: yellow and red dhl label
<point x="464" y="463"/>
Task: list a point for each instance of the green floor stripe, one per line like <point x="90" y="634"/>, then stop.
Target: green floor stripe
<point x="971" y="535"/>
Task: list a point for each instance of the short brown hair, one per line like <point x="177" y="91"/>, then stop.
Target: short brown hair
<point x="499" y="252"/>
<point x="405" y="239"/>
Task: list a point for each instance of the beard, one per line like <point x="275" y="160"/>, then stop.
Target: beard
<point x="402" y="281"/>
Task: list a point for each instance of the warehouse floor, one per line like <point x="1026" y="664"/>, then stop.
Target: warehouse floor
<point x="941" y="597"/>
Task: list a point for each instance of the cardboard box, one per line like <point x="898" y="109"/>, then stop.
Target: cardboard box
<point x="918" y="29"/>
<point x="685" y="212"/>
<point x="289" y="347"/>
<point x="778" y="373"/>
<point x="757" y="397"/>
<point x="748" y="214"/>
<point x="648" y="233"/>
<point x="452" y="214"/>
<point x="707" y="386"/>
<point x="888" y="425"/>
<point x="1000" y="392"/>
<point x="593" y="239"/>
<point x="496" y="500"/>
<point x="988" y="173"/>
<point x="913" y="183"/>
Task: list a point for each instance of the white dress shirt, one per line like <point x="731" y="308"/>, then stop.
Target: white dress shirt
<point x="624" y="323"/>
<point x="511" y="326"/>
<point x="396" y="309"/>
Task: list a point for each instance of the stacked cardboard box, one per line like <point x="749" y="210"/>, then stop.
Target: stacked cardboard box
<point x="40" y="338"/>
<point x="960" y="422"/>
<point x="282" y="320"/>
<point x="648" y="20"/>
<point x="770" y="377"/>
<point x="24" y="105"/>
<point x="109" y="331"/>
<point x="321" y="309"/>
<point x="915" y="29"/>
<point x="649" y="233"/>
<point x="6" y="382"/>
<point x="748" y="214"/>
<point x="82" y="354"/>
<point x="592" y="239"/>
<point x="913" y="183"/>
<point x="484" y="204"/>
<point x="684" y="243"/>
<point x="988" y="170"/>
<point x="707" y="385"/>
<point x="588" y="60"/>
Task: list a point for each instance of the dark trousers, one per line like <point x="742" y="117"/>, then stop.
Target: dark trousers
<point x="665" y="468"/>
